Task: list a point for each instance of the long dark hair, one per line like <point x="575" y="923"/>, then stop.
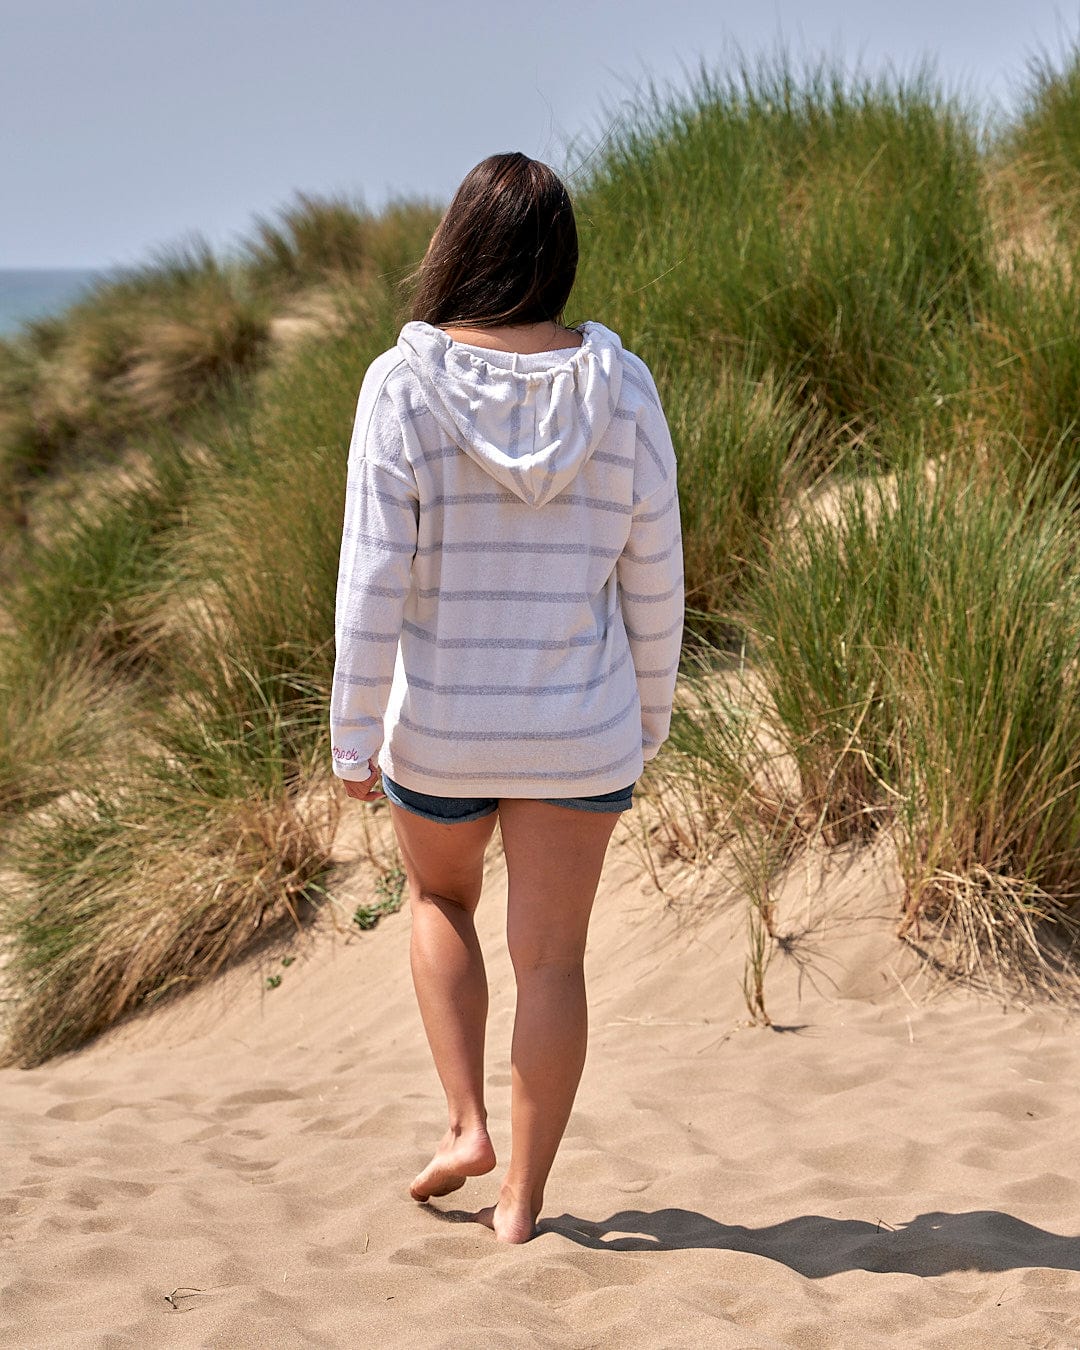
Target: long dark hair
<point x="505" y="252"/>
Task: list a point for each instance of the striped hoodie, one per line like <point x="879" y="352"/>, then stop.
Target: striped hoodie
<point x="510" y="587"/>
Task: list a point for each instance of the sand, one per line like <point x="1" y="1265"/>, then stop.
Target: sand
<point x="882" y="1168"/>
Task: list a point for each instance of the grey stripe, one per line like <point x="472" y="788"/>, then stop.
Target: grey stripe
<point x="589" y="423"/>
<point x="361" y="490"/>
<point x="413" y="414"/>
<point x="584" y="416"/>
<point x="520" y="690"/>
<point x="551" y="458"/>
<point x="515" y="438"/>
<point x="467" y="498"/>
<point x="598" y="503"/>
<point x="519" y="735"/>
<point x="400" y="470"/>
<point x="640" y="386"/>
<point x="659" y="674"/>
<point x="556" y="776"/>
<point x="654" y="637"/>
<point x="649" y="557"/>
<point x="363" y="635"/>
<point x="345" y="677"/>
<point x="504" y="643"/>
<point x="641" y="599"/>
<point x="658" y="515"/>
<point x="427" y="592"/>
<point x="644" y="439"/>
<point x="607" y="457"/>
<point x="374" y="588"/>
<point x="517" y="546"/>
<point x="443" y="452"/>
<point x="354" y="723"/>
<point x="377" y="540"/>
<point x="483" y="498"/>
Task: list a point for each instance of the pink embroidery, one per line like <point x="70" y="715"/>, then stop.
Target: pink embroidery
<point x="339" y="753"/>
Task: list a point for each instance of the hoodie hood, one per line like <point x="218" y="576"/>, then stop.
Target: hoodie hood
<point x="531" y="420"/>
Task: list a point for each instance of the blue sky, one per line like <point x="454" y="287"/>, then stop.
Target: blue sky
<point x="131" y="124"/>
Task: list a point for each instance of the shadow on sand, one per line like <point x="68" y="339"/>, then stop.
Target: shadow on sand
<point x="815" y="1246"/>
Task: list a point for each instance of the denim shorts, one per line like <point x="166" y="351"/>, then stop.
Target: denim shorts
<point x="452" y="809"/>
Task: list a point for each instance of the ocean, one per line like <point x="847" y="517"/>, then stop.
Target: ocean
<point x="34" y="292"/>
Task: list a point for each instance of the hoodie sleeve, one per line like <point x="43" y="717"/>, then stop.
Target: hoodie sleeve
<point x="374" y="577"/>
<point x="650" y="574"/>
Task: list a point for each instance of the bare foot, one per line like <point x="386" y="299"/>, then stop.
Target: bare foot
<point x="460" y="1155"/>
<point x="510" y="1221"/>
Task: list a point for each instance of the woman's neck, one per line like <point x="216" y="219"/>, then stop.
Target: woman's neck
<point x="525" y="338"/>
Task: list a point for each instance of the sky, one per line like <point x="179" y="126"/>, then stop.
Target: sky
<point x="127" y="126"/>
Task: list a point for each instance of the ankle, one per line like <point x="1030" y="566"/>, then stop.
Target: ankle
<point x="515" y="1198"/>
<point x="462" y="1125"/>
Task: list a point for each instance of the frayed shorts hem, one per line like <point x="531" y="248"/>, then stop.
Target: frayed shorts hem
<point x="454" y="810"/>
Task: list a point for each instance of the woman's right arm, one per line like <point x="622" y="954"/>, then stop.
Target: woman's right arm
<point x="378" y="541"/>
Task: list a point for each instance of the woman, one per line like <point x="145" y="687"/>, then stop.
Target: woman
<point x="509" y="618"/>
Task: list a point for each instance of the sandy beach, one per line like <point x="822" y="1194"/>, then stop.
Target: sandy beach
<point x="887" y="1166"/>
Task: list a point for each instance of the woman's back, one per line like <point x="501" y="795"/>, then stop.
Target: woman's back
<point x="514" y="517"/>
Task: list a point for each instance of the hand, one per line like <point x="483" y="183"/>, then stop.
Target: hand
<point x="365" y="791"/>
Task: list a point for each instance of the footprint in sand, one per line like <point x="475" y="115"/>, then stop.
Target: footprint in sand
<point x="235" y="1163"/>
<point x="1015" y="1105"/>
<point x="238" y="1102"/>
<point x="88" y="1108"/>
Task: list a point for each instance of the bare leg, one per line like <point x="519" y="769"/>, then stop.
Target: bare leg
<point x="554" y="857"/>
<point x="445" y="869"/>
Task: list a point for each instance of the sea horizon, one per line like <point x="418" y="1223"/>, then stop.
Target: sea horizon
<point x="28" y="293"/>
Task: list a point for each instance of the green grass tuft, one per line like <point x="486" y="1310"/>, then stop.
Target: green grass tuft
<point x="832" y="226"/>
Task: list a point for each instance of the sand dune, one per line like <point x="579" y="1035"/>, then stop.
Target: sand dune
<point x="231" y="1170"/>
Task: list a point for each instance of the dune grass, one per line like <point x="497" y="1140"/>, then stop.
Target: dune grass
<point x="1029" y="359"/>
<point x="336" y="239"/>
<point x="57" y="727"/>
<point x="987" y="746"/>
<point x="146" y="345"/>
<point x="832" y="226"/>
<point x="208" y="591"/>
<point x="137" y="350"/>
<point x="1043" y="139"/>
<point x="871" y="377"/>
<point x="131" y="894"/>
<point x="748" y="449"/>
<point x="915" y="654"/>
<point x="92" y="588"/>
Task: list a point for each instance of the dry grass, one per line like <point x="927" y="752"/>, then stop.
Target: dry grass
<point x="59" y="727"/>
<point x="1025" y="222"/>
<point x="336" y="240"/>
<point x="125" y="897"/>
<point x="914" y="665"/>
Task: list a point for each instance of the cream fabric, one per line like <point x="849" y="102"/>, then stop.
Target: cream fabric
<point x="510" y="587"/>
